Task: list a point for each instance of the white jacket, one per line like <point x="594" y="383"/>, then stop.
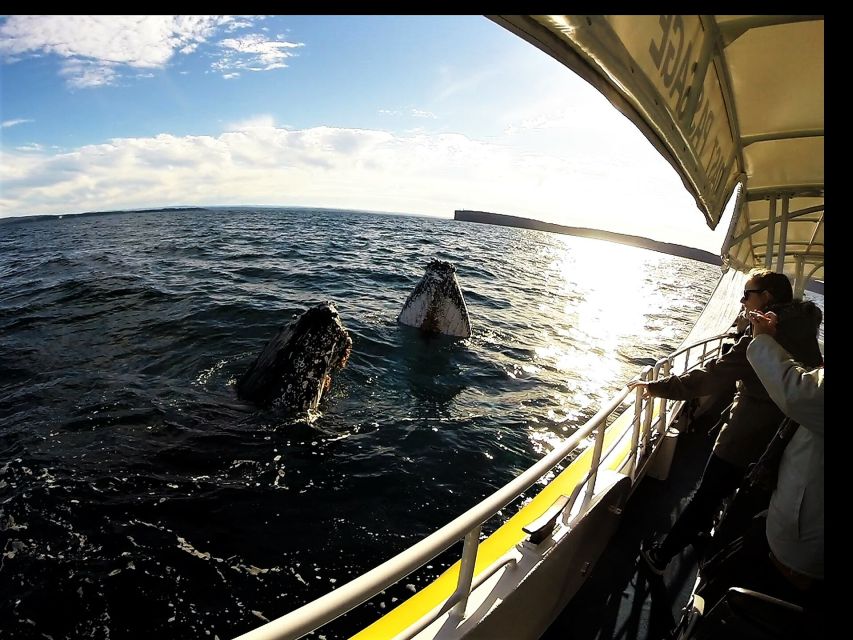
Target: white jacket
<point x="795" y="528"/>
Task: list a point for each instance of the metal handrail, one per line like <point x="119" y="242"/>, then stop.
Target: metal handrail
<point x="334" y="604"/>
<point x="323" y="610"/>
<point x="719" y="338"/>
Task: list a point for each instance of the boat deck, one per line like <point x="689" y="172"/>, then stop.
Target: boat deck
<point x="621" y="599"/>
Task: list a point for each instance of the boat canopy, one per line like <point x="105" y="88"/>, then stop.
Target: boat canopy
<point x="727" y="100"/>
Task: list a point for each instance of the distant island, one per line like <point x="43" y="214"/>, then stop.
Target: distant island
<point x="89" y="214"/>
<point x="485" y="217"/>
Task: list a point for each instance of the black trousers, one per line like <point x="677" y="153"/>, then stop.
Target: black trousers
<point x="719" y="480"/>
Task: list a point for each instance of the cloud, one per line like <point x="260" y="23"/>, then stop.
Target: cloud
<point x="258" y="163"/>
<point x="415" y="113"/>
<point x="137" y="41"/>
<point x="95" y="50"/>
<point x="13" y="123"/>
<point x="81" y="74"/>
<point x="264" y="121"/>
<point x="241" y="23"/>
<point x="253" y="53"/>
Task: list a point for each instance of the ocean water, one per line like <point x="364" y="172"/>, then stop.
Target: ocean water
<point x="139" y="497"/>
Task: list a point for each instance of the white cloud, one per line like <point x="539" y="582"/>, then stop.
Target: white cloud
<point x="253" y="53"/>
<point x="242" y="22"/>
<point x="96" y="48"/>
<point x="259" y="45"/>
<point x="413" y="112"/>
<point x="137" y="41"/>
<point x="324" y="166"/>
<point x="12" y="123"/>
<point x="81" y="74"/>
<point x="264" y="121"/>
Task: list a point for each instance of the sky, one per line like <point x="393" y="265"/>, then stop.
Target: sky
<point x="403" y="114"/>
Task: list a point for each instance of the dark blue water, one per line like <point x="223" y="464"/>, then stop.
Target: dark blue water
<point x="139" y="497"/>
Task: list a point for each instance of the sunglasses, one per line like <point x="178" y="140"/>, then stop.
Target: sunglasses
<point x="746" y="292"/>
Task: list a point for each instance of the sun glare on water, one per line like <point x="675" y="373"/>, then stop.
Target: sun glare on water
<point x="602" y="312"/>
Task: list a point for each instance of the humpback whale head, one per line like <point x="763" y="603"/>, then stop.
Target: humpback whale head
<point x="436" y="304"/>
<point x="294" y="369"/>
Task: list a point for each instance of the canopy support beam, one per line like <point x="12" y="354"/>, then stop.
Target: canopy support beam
<point x="783" y="236"/>
<point x="771" y="233"/>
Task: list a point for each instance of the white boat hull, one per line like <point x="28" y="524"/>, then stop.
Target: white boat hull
<point x="521" y="600"/>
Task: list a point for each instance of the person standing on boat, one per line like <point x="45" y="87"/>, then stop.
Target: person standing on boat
<point x="795" y="528"/>
<point x="751" y="423"/>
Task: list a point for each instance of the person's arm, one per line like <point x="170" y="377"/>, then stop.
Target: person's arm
<point x="797" y="392"/>
<point x="717" y="376"/>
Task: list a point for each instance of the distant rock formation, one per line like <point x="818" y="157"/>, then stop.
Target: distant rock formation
<point x="621" y="238"/>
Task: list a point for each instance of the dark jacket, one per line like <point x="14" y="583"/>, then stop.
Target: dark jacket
<point x="753" y="418"/>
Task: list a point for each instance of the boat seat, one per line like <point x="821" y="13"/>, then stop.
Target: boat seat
<point x="743" y="613"/>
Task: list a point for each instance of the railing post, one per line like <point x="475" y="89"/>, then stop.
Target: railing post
<point x="647" y="416"/>
<point x="667" y="366"/>
<point x="466" y="570"/>
<point x="596" y="460"/>
<point x="635" y="434"/>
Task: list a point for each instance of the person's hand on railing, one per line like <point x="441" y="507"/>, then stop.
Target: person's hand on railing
<point x="643" y="384"/>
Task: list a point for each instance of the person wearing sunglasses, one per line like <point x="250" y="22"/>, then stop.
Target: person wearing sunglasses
<point x="752" y="420"/>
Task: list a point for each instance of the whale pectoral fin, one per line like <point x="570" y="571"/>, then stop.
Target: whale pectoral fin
<point x="347" y="352"/>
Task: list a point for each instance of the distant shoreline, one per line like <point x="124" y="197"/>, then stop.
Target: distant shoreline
<point x="485" y="217"/>
<point x="89" y="214"/>
<point x="462" y="215"/>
